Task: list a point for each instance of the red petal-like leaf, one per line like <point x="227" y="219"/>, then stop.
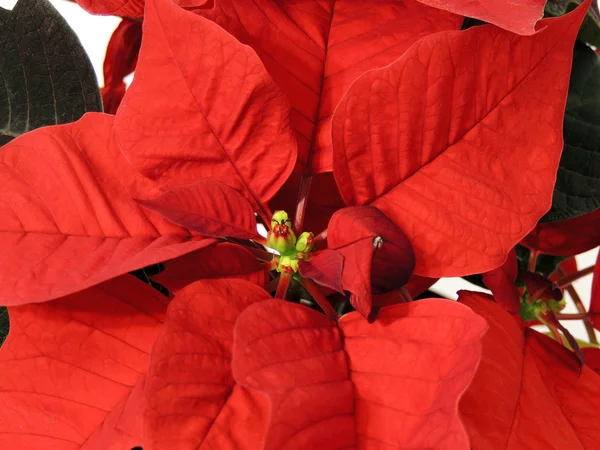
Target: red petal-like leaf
<point x="501" y="282"/>
<point x="540" y="287"/>
<point x="209" y="208"/>
<point x="325" y="268"/>
<point x="314" y="50"/>
<point x="192" y="399"/>
<point x="204" y="107"/>
<point x="71" y="370"/>
<point x="519" y="17"/>
<point x="432" y="140"/>
<point x="567" y="237"/>
<point x="394" y="383"/>
<point x="377" y="254"/>
<point x="527" y="392"/>
<point x="66" y="221"/>
<point x="121" y="58"/>
<point x="592" y="358"/>
<point x="217" y="261"/>
<point x="123" y="8"/>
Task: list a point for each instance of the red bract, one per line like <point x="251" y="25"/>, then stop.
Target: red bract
<point x="374" y="256"/>
<point x="416" y="140"/>
<point x="567" y="237"/>
<point x="528" y="391"/>
<point x="67" y="220"/>
<point x="501" y="282"/>
<point x="396" y="381"/>
<point x="192" y="400"/>
<point x="121" y="58"/>
<point x="218" y="261"/>
<point x="72" y="370"/>
<point x="518" y="17"/>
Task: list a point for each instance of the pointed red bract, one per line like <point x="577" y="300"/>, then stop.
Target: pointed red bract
<point x="377" y="255"/>
<point x="71" y="369"/>
<point x="204" y="107"/>
<point x="314" y="50"/>
<point x="396" y="382"/>
<point x="431" y="140"/>
<point x="223" y="260"/>
<point x="527" y="392"/>
<point x="325" y="268"/>
<point x="66" y="220"/>
<point x="567" y="237"/>
<point x="519" y="17"/>
<point x="192" y="400"/>
<point x="120" y="60"/>
<point x="209" y="208"/>
<point x="124" y="8"/>
<point x="501" y="282"/>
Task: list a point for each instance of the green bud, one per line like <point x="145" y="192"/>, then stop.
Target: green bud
<point x="287" y="265"/>
<point x="281" y="237"/>
<point x="305" y="242"/>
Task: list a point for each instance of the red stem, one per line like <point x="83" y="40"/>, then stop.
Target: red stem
<point x="282" y="287"/>
<point x="577" y="316"/>
<point x="302" y="201"/>
<point x="533" y="256"/>
<point x="587" y="322"/>
<point x="316" y="294"/>
<point x="567" y="280"/>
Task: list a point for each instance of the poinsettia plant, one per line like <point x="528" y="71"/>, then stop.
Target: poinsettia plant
<point x="235" y="252"/>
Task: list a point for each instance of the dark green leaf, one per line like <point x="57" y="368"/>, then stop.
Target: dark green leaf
<point x="590" y="29"/>
<point x="4" y="324"/>
<point x="577" y="189"/>
<point x="47" y="77"/>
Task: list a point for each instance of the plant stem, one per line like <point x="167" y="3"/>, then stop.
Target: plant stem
<point x="316" y="294"/>
<point x="554" y="331"/>
<point x="587" y="322"/>
<point x="576" y="316"/>
<point x="566" y="280"/>
<point x="302" y="200"/>
<point x="282" y="287"/>
<point x="533" y="256"/>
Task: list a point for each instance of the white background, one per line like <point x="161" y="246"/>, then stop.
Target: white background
<point x="94" y="33"/>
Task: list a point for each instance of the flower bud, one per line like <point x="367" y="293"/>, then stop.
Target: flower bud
<point x="305" y="242"/>
<point x="281" y="237"/>
<point x="287" y="265"/>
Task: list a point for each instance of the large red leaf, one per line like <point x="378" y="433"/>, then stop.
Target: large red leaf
<point x="124" y="8"/>
<point x="527" y="392"/>
<point x="314" y="50"/>
<point x="223" y="260"/>
<point x="207" y="207"/>
<point x="519" y="17"/>
<point x="394" y="383"/>
<point x="567" y="237"/>
<point x="66" y="221"/>
<point x="72" y="370"/>
<point x="434" y="139"/>
<point x="204" y="107"/>
<point x="192" y="400"/>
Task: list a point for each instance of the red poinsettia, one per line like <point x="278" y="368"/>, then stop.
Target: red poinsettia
<point x="237" y="114"/>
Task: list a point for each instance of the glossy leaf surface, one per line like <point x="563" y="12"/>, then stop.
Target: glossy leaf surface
<point x="209" y="208"/>
<point x="204" y="107"/>
<point x="518" y="17"/>
<point x="314" y="51"/>
<point x="47" y="78"/>
<point x="527" y="392"/>
<point x="351" y="387"/>
<point x="418" y="141"/>
<point x="577" y="189"/>
<point x="66" y="220"/>
<point x="192" y="400"/>
<point x="71" y="370"/>
<point x="223" y="260"/>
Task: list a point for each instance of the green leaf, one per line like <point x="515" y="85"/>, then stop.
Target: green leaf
<point x="4" y="324"/>
<point x="47" y="78"/>
<point x="577" y="189"/>
<point x="590" y="29"/>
